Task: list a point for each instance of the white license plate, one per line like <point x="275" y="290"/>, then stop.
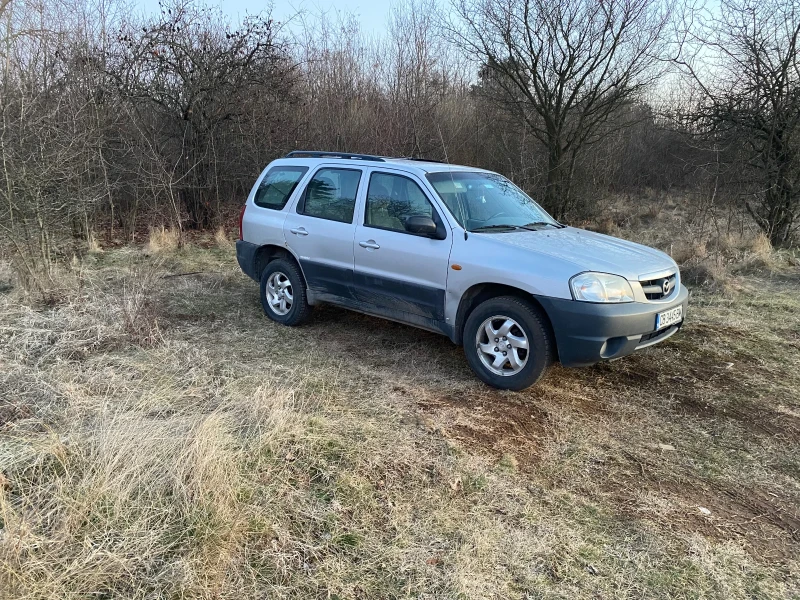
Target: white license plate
<point x="669" y="317"/>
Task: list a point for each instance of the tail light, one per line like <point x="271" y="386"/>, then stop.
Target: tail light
<point x="241" y="220"/>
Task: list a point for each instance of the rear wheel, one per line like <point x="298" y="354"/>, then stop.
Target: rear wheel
<point x="283" y="293"/>
<point x="507" y="343"/>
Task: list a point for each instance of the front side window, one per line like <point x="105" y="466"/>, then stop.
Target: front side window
<point x="488" y="201"/>
<point x="331" y="195"/>
<point x="277" y="186"/>
<point x="392" y="199"/>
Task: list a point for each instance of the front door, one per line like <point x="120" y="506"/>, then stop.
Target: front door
<point x="320" y="231"/>
<point x="403" y="275"/>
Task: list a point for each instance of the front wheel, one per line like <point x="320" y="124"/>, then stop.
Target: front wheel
<point x="283" y="294"/>
<point x="507" y="343"/>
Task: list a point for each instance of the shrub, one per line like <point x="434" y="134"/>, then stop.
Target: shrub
<point x="163" y="239"/>
<point x="138" y="310"/>
<point x="222" y="240"/>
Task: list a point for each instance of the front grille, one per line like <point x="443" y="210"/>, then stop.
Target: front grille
<point x="654" y="288"/>
<point x="647" y="337"/>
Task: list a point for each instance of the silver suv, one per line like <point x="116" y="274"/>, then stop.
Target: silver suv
<point x="455" y="250"/>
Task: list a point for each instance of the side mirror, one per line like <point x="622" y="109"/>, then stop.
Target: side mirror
<point x="424" y="226"/>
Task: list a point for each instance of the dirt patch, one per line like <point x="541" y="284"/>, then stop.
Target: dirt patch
<point x="707" y="387"/>
<point x="523" y="424"/>
<point x="493" y="422"/>
<point x="765" y="522"/>
<point x="769" y="522"/>
<point x="644" y="372"/>
<point x="768" y="525"/>
<point x="751" y="417"/>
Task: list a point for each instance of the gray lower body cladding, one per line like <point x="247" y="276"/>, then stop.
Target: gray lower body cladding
<point x="246" y="257"/>
<point x="588" y="333"/>
<point x="420" y="306"/>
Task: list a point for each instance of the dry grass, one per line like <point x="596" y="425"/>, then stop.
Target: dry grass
<point x="759" y="256"/>
<point x="215" y="454"/>
<point x="690" y="250"/>
<point x="712" y="249"/>
<point x="93" y="244"/>
<point x="137" y="302"/>
<point x="163" y="239"/>
<point x="606" y="225"/>
<point x="222" y="240"/>
<point x="45" y="283"/>
<point x="761" y="247"/>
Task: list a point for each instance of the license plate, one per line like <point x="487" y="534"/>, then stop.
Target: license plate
<point x="669" y="317"/>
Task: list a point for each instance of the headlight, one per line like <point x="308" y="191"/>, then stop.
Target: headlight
<point x="601" y="287"/>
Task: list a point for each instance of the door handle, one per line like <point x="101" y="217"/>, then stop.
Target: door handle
<point x="299" y="231"/>
<point x="370" y="244"/>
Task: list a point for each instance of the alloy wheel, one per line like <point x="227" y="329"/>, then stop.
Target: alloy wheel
<point x="502" y="345"/>
<point x="279" y="293"/>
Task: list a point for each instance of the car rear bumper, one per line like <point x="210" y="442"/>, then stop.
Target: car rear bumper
<point x="246" y="257"/>
<point x="588" y="333"/>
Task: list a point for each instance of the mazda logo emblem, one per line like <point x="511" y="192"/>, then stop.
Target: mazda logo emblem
<point x="666" y="287"/>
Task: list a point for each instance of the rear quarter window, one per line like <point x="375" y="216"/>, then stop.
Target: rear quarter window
<point x="277" y="186"/>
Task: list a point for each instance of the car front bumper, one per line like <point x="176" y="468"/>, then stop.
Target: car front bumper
<point x="588" y="333"/>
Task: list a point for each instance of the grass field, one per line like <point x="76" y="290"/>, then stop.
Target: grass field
<point x="161" y="438"/>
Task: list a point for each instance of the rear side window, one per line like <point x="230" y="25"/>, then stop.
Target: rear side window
<point x="277" y="186"/>
<point x="331" y="195"/>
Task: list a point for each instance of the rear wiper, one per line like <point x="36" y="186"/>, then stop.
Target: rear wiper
<point x="492" y="227"/>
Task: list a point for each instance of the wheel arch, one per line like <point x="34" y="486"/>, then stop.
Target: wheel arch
<point x="481" y="292"/>
<point x="269" y="252"/>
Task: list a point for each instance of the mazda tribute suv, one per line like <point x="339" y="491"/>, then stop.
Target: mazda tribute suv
<point x="455" y="250"/>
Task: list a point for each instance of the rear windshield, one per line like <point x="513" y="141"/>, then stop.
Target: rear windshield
<point x="487" y="200"/>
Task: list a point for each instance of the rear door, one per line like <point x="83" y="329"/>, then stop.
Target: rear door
<point x="321" y="227"/>
<point x="262" y="222"/>
<point x="400" y="274"/>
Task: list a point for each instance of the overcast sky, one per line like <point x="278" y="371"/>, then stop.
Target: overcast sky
<point x="372" y="14"/>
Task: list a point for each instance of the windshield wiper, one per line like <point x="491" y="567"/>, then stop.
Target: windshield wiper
<point x="493" y="227"/>
<point x="539" y="223"/>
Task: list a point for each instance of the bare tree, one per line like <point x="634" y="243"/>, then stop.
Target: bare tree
<point x="110" y="120"/>
<point x="562" y="67"/>
<point x="196" y="74"/>
<point x="417" y="82"/>
<point x="53" y="178"/>
<point x="743" y="57"/>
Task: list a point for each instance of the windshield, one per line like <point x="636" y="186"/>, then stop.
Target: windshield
<point x="488" y="202"/>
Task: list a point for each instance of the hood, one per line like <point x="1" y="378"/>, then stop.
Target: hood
<point x="590" y="251"/>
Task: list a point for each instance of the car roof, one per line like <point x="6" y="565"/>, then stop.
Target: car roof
<point x="411" y="165"/>
<point x="429" y="166"/>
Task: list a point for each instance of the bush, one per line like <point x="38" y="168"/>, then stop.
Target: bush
<point x="138" y="310"/>
<point x="162" y="239"/>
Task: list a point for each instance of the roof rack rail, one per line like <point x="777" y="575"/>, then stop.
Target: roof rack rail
<point x="316" y="154"/>
<point x="420" y="159"/>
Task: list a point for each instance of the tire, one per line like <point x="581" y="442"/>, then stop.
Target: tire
<point x="282" y="276"/>
<point x="523" y="325"/>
